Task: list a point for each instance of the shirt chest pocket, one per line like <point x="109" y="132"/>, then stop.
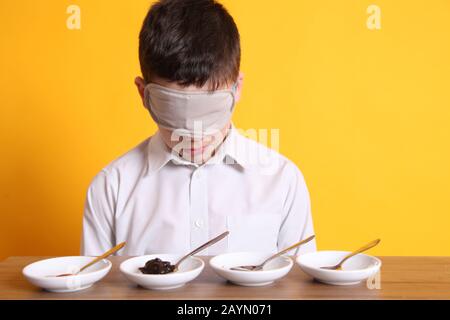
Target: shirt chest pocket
<point x="253" y="232"/>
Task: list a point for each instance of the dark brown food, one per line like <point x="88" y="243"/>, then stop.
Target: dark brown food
<point x="157" y="266"/>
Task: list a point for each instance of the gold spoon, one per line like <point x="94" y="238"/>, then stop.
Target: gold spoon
<point x="202" y="247"/>
<point x="261" y="266"/>
<point x="362" y="249"/>
<point x="103" y="256"/>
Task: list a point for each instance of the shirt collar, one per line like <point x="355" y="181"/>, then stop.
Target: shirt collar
<point x="229" y="152"/>
<point x="158" y="155"/>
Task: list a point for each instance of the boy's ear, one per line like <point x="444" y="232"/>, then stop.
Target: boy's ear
<point x="140" y="85"/>
<point x="239" y="86"/>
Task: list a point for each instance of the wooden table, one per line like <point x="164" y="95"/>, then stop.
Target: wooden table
<point x="401" y="278"/>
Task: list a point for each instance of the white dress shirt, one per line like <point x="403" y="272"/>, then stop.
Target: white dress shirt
<point x="160" y="203"/>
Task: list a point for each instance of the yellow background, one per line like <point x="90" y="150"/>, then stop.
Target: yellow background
<point x="363" y="113"/>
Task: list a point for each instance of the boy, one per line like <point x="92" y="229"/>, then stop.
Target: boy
<point x="197" y="176"/>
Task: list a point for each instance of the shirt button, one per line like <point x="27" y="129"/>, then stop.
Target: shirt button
<point x="199" y="223"/>
<point x="198" y="175"/>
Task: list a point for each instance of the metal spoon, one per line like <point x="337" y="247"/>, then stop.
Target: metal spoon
<point x="261" y="266"/>
<point x="103" y="256"/>
<point x="202" y="247"/>
<point x="354" y="253"/>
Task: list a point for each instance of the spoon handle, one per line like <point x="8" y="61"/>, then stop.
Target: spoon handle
<point x="203" y="246"/>
<point x="289" y="248"/>
<point x="103" y="256"/>
<point x="362" y="249"/>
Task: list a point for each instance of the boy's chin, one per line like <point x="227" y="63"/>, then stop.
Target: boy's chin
<point x="197" y="155"/>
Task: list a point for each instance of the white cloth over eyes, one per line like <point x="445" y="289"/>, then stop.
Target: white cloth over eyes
<point x="159" y="203"/>
<point x="190" y="113"/>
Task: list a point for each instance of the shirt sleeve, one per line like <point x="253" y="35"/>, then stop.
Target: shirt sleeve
<point x="297" y="224"/>
<point x="98" y="231"/>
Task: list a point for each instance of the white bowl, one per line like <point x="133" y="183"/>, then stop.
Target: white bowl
<point x="41" y="273"/>
<point x="354" y="270"/>
<point x="188" y="271"/>
<point x="273" y="270"/>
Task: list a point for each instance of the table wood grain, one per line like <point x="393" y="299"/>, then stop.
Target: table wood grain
<point x="401" y="278"/>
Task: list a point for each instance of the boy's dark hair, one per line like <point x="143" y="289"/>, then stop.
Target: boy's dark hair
<point x="190" y="42"/>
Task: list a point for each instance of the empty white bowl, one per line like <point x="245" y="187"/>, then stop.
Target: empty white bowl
<point x="354" y="270"/>
<point x="273" y="270"/>
<point x="41" y="273"/>
<point x="188" y="271"/>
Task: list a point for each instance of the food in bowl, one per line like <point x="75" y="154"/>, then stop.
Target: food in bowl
<point x="157" y="266"/>
<point x="188" y="271"/>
